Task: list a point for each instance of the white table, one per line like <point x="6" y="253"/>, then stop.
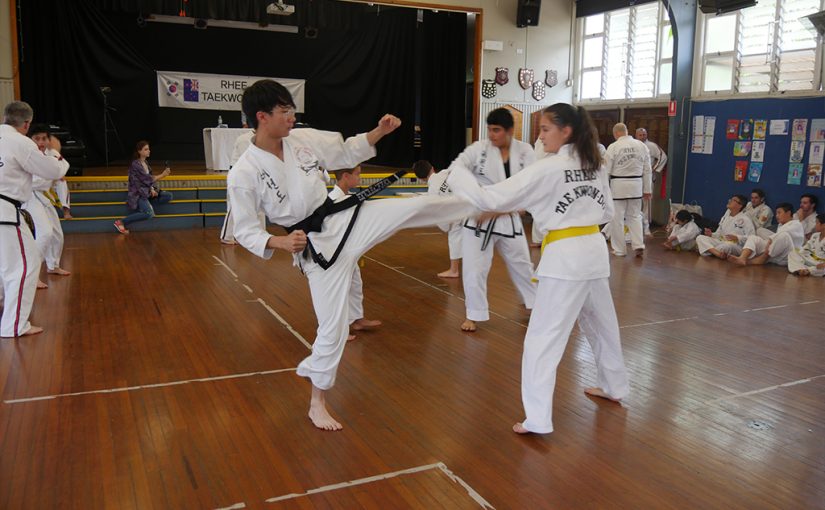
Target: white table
<point x="218" y="144"/>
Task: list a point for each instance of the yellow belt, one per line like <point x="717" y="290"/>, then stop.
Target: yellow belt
<point x="563" y="233"/>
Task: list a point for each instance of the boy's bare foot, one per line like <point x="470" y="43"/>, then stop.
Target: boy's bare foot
<point x="350" y="338"/>
<point x="640" y="252"/>
<point x="802" y="272"/>
<point x="739" y="261"/>
<point x="362" y="324"/>
<point x="449" y="274"/>
<point x="598" y="392"/>
<point x="59" y="271"/>
<point x="33" y="330"/>
<point x="468" y="325"/>
<point x="228" y="241"/>
<point x="67" y="215"/>
<point x="41" y="285"/>
<point x="318" y="412"/>
<point x="518" y="428"/>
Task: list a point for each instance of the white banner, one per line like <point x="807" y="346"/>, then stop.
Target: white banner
<point x="215" y="91"/>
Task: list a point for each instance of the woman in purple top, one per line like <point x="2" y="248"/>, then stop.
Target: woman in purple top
<point x="142" y="188"/>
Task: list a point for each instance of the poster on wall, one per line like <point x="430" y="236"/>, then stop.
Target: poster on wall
<point x="815" y="175"/>
<point x="702" y="139"/>
<point x="755" y="172"/>
<point x="732" y="131"/>
<point x="758" y="152"/>
<point x="795" y="173"/>
<point x="746" y="129"/>
<point x="741" y="149"/>
<point x="816" y="152"/>
<point x="779" y="127"/>
<point x="800" y="127"/>
<point x="797" y="151"/>
<point x="818" y="130"/>
<point x="760" y="129"/>
<point x="740" y="171"/>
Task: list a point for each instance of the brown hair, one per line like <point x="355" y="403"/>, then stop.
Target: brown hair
<point x="583" y="136"/>
<point x="138" y="146"/>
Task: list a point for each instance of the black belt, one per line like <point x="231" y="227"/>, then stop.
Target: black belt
<point x="314" y="222"/>
<point x="626" y="176"/>
<point x="20" y="213"/>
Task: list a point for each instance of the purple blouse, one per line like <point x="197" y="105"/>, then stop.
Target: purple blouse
<point x="140" y="183"/>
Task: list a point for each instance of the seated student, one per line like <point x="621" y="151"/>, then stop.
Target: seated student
<point x="760" y="213"/>
<point x="789" y="236"/>
<point x="437" y="185"/>
<point x="345" y="180"/>
<point x="684" y="233"/>
<point x="807" y="213"/>
<point x="734" y="229"/>
<point x="810" y="259"/>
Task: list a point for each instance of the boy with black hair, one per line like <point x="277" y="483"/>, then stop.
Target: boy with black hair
<point x="437" y="185"/>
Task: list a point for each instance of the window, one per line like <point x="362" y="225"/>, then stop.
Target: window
<point x="625" y="54"/>
<point x="761" y="49"/>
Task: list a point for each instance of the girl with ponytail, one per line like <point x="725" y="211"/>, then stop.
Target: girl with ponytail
<point x="568" y="195"/>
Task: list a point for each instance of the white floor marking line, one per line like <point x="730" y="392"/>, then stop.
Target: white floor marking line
<point x="221" y="262"/>
<point x="149" y="386"/>
<point x="236" y="506"/>
<point x="658" y="322"/>
<point x="285" y="323"/>
<point x="809" y="302"/>
<point x="361" y="481"/>
<point x="765" y="308"/>
<point x="247" y="287"/>
<point x="763" y="390"/>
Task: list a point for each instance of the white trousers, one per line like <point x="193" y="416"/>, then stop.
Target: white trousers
<point x="646" y="204"/>
<point x="61" y="187"/>
<point x="797" y="261"/>
<point x="476" y="268"/>
<point x="558" y="304"/>
<point x="629" y="211"/>
<point x="19" y="266"/>
<point x="781" y="246"/>
<point x="454" y="240"/>
<point x="705" y="243"/>
<point x="356" y="296"/>
<point x="47" y="229"/>
<point x="330" y="288"/>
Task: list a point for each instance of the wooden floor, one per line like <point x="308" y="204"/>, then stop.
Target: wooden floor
<point x="165" y="380"/>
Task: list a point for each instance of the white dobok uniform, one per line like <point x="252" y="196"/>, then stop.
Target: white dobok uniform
<point x="788" y="237"/>
<point x="536" y="235"/>
<point x="288" y="191"/>
<point x="20" y="159"/>
<point x="762" y="217"/>
<point x="627" y="161"/>
<point x="47" y="230"/>
<point x="356" y="291"/>
<point x="808" y="224"/>
<point x="573" y="274"/>
<point x="241" y="144"/>
<point x="809" y="256"/>
<point x="684" y="236"/>
<point x="658" y="160"/>
<point x="740" y="225"/>
<point x="437" y="186"/>
<point x="505" y="233"/>
<point x="61" y="187"/>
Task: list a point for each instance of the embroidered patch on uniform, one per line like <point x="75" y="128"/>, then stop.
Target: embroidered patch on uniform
<point x="306" y="159"/>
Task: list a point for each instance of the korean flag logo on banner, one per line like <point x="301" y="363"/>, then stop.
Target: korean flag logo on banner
<point x="190" y="90"/>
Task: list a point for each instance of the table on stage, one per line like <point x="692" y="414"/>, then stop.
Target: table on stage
<point x="218" y="144"/>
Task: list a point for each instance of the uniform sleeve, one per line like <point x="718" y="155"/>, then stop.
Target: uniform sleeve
<point x="609" y="207"/>
<point x="506" y="196"/>
<point x="244" y="209"/>
<point x="467" y="158"/>
<point x="608" y="159"/>
<point x="647" y="178"/>
<point x="661" y="161"/>
<point x="36" y="163"/>
<point x="334" y="152"/>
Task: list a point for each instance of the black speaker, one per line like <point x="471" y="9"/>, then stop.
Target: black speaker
<point x="722" y="6"/>
<point x="528" y="13"/>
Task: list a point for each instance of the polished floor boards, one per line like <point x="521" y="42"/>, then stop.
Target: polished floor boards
<point x="165" y="380"/>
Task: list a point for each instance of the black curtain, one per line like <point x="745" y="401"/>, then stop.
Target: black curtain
<point x="443" y="71"/>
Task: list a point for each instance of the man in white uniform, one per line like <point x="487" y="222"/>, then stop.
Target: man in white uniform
<point x="280" y="174"/>
<point x="493" y="160"/>
<point x="627" y="161"/>
<point x="810" y="259"/>
<point x="734" y="229"/>
<point x="49" y="233"/>
<point x="658" y="160"/>
<point x="789" y="236"/>
<point x="241" y="144"/>
<point x="437" y="185"/>
<point x="20" y="159"/>
<point x="807" y="213"/>
<point x="760" y="214"/>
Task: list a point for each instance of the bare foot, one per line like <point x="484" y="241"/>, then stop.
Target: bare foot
<point x="59" y="271"/>
<point x="362" y="324"/>
<point x="802" y="272"/>
<point x="739" y="261"/>
<point x="67" y="215"/>
<point x="468" y="325"/>
<point x="228" y="241"/>
<point x="640" y="252"/>
<point x="449" y="274"/>
<point x="350" y="338"/>
<point x="41" y="285"/>
<point x="518" y="428"/>
<point x="598" y="392"/>
<point x="322" y="419"/>
<point x="33" y="330"/>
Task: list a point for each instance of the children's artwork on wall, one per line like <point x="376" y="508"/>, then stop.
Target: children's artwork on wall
<point x="795" y="173"/>
<point x="797" y="151"/>
<point x="816" y="152"/>
<point x="760" y="129"/>
<point x="746" y="129"/>
<point x="758" y="152"/>
<point x="732" y="131"/>
<point x="755" y="172"/>
<point x="815" y="175"/>
<point x="818" y="130"/>
<point x="740" y="171"/>
<point x="741" y="149"/>
<point x="779" y="127"/>
<point x="800" y="127"/>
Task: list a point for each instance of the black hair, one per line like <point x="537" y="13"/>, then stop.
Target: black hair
<point x="760" y="192"/>
<point x="583" y="136"/>
<point x="422" y="168"/>
<point x="812" y="198"/>
<point x="785" y="206"/>
<point x="264" y="96"/>
<point x="500" y="117"/>
<point x="684" y="215"/>
<point x="743" y="201"/>
<point x="820" y="217"/>
<point x="35" y="129"/>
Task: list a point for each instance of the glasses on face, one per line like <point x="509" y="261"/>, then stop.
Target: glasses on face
<point x="286" y="112"/>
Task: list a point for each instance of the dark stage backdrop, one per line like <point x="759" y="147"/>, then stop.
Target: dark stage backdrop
<point x="361" y="65"/>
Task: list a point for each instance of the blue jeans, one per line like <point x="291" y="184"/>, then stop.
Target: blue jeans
<point x="145" y="209"/>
